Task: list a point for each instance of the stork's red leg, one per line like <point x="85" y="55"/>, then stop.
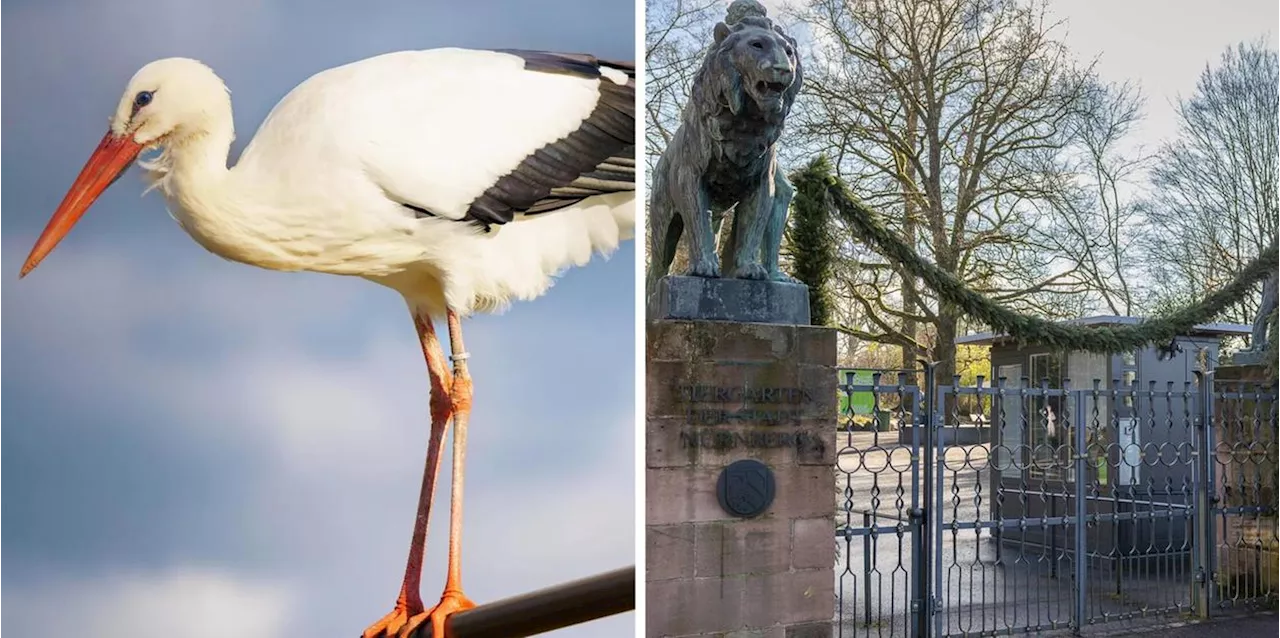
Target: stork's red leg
<point x="409" y="603"/>
<point x="453" y="600"/>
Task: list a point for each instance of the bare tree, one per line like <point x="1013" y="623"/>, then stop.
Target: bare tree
<point x="677" y="33"/>
<point x="957" y="118"/>
<point x="1214" y="204"/>
<point x="1096" y="217"/>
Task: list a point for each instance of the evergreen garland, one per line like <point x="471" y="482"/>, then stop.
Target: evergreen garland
<point x="868" y="225"/>
<point x="812" y="244"/>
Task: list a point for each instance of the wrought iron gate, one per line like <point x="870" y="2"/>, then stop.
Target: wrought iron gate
<point x="1062" y="508"/>
<point x="880" y="496"/>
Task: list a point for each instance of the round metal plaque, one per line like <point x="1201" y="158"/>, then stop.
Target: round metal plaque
<point x="745" y="488"/>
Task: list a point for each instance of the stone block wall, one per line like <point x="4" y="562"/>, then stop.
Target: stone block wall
<point x="718" y="392"/>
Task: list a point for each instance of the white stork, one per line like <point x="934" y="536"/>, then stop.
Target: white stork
<point x="462" y="179"/>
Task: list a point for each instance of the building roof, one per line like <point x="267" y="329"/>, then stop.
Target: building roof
<point x="1206" y="329"/>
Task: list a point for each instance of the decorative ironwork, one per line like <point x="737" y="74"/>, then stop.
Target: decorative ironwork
<point x="1020" y="507"/>
<point x="1242" y="562"/>
<point x="879" y="504"/>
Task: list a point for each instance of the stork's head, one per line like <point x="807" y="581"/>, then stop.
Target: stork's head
<point x="168" y="102"/>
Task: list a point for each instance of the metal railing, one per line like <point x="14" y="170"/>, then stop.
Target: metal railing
<point x="544" y="610"/>
<point x="1083" y="505"/>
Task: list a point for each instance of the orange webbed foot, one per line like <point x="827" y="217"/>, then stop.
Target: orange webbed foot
<point x="391" y="624"/>
<point x="450" y="603"/>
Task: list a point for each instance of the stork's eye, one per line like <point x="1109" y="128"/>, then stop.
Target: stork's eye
<point x="757" y="44"/>
<point x="142" y="99"/>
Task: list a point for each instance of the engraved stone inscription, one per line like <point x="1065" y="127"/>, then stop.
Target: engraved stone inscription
<point x="720" y="440"/>
<point x="745" y="405"/>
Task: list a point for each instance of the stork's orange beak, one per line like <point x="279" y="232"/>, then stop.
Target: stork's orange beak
<point x="113" y="155"/>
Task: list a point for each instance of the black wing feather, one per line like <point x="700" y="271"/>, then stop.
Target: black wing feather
<point x="596" y="159"/>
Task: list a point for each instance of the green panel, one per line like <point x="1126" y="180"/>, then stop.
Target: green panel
<point x="863" y="402"/>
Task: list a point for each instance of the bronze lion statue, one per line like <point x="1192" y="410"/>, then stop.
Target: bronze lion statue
<point x="724" y="155"/>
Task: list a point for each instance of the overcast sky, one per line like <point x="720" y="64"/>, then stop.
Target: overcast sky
<point x="231" y="451"/>
<point x="1162" y="45"/>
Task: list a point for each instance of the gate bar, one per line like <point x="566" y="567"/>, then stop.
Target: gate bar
<point x="937" y="466"/>
<point x="922" y="604"/>
<point x="866" y="570"/>
<point x="1081" y="470"/>
<point x="1204" y="497"/>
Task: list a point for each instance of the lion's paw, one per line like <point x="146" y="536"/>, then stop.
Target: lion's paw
<point x="782" y="277"/>
<point x="751" y="271"/>
<point x="704" y="269"/>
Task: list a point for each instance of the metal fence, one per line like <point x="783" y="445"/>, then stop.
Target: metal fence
<point x="537" y="612"/>
<point x="1014" y="508"/>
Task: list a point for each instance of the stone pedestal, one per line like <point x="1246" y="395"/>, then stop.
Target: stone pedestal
<point x="720" y="392"/>
<point x="743" y="300"/>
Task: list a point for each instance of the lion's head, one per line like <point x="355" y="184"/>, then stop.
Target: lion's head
<point x="752" y="59"/>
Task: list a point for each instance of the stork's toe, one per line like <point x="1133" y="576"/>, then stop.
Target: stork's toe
<point x="393" y="623"/>
<point x="450" y="604"/>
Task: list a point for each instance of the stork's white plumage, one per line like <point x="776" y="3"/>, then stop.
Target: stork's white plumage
<point x="462" y="179"/>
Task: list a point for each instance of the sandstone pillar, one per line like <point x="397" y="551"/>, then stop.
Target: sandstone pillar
<point x="720" y="392"/>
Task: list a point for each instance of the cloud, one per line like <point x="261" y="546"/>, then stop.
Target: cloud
<point x="184" y="341"/>
<point x="196" y="602"/>
<point x="207" y="428"/>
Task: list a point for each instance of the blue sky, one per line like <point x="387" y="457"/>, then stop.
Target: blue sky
<point x="186" y="436"/>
